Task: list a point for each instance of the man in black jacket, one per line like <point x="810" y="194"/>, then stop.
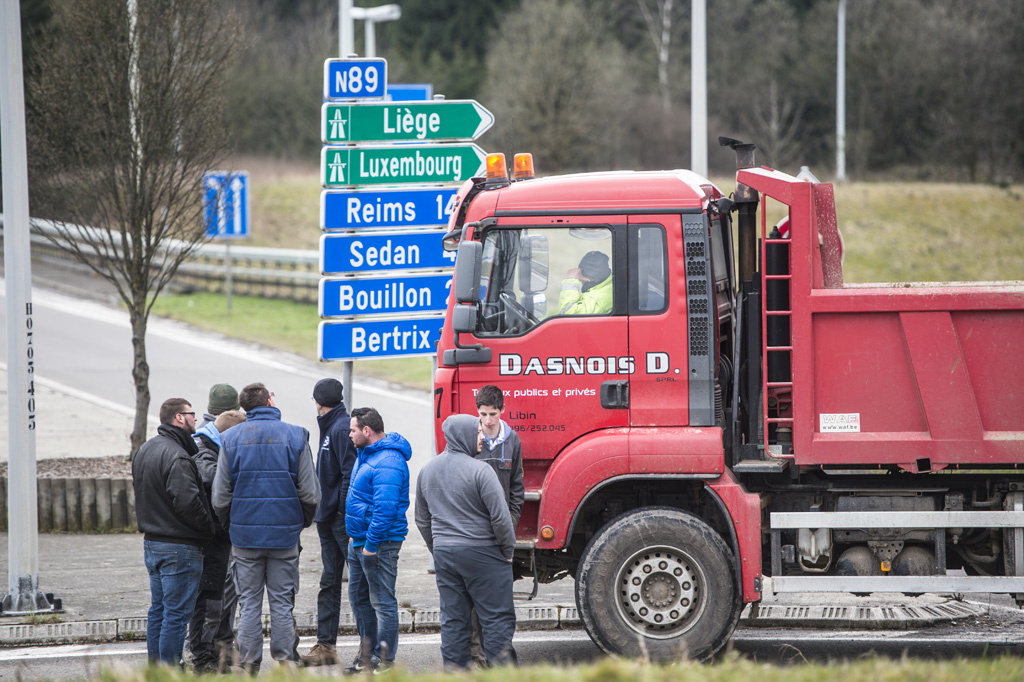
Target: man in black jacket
<point x="175" y="515"/>
<point x="334" y="470"/>
<point x="210" y="643"/>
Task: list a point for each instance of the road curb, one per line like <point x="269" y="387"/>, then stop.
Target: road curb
<point x="538" y="617"/>
<point x="410" y="620"/>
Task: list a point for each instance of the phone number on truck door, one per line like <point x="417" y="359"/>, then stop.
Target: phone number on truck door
<point x="538" y="427"/>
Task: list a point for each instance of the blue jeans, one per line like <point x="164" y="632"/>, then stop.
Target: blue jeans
<point x="174" y="572"/>
<point x="371" y="591"/>
<point x="333" y="550"/>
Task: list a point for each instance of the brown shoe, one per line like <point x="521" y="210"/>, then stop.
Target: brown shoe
<point x="321" y="654"/>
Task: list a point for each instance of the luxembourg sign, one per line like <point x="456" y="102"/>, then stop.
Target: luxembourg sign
<point x="400" y="164"/>
<point x="340" y="210"/>
<point x="434" y="121"/>
<point x="386" y="295"/>
<point x="342" y="254"/>
<point x="355" y="78"/>
<point x="359" y="339"/>
<point x="226" y="204"/>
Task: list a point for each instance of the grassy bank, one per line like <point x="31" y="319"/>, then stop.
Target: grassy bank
<point x="1003" y="669"/>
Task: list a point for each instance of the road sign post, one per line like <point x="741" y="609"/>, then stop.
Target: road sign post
<point x="363" y="209"/>
<point x="433" y="121"/>
<point x="355" y="78"/>
<point x="344" y="254"/>
<point x="387" y="295"/>
<point x="226" y="213"/>
<point x="370" y="339"/>
<point x="400" y="164"/>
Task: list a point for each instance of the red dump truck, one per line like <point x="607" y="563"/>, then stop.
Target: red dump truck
<point x="725" y="418"/>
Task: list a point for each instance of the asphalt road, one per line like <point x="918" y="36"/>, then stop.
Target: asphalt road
<point x="420" y="653"/>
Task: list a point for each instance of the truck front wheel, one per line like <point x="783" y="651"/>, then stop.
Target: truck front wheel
<point x="658" y="583"/>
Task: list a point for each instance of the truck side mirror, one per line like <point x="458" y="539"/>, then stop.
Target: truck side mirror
<point x="466" y="282"/>
<point x="533" y="263"/>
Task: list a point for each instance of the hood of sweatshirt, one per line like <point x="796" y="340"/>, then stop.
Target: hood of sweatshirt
<point x="460" y="433"/>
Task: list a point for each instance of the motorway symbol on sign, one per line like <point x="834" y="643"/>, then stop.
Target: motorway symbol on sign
<point x="405" y="122"/>
<point x="341" y="210"/>
<point x="355" y="78"/>
<point x="399" y="164"/>
<point x="226" y="204"/>
<point x="409" y="92"/>
<point x="387" y="295"/>
<point x="360" y="339"/>
<point x="342" y="254"/>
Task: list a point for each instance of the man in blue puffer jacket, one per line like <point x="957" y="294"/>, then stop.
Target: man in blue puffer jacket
<point x="378" y="498"/>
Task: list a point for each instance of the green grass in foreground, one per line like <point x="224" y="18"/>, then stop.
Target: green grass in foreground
<point x="282" y="325"/>
<point x="1002" y="669"/>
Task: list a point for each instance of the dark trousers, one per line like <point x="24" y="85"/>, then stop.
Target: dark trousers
<point x="333" y="550"/>
<point x="204" y="629"/>
<point x="479" y="577"/>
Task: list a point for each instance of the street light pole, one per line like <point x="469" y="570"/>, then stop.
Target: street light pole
<point x="841" y="94"/>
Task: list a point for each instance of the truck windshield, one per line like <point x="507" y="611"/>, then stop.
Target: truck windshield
<point x="531" y="274"/>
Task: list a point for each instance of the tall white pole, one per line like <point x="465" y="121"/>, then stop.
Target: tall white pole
<point x="841" y="94"/>
<point x="346" y="29"/>
<point x="23" y="595"/>
<point x="370" y="33"/>
<point x="699" y="88"/>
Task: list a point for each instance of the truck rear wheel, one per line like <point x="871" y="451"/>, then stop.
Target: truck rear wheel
<point x="658" y="583"/>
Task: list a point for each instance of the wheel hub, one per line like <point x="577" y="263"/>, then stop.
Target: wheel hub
<point x="660" y="592"/>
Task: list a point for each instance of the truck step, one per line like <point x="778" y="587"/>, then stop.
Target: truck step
<point x="760" y="466"/>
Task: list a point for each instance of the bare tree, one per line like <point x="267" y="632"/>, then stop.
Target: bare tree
<point x="777" y="127"/>
<point x="660" y="30"/>
<point x="127" y="117"/>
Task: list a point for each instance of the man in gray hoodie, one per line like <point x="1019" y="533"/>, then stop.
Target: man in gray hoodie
<point x="462" y="514"/>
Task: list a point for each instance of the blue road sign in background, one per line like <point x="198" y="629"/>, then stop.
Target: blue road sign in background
<point x="384" y="295"/>
<point x="226" y="203"/>
<point x="410" y="92"/>
<point x="355" y="78"/>
<point x="348" y="210"/>
<point x="360" y="339"/>
<point x="341" y="254"/>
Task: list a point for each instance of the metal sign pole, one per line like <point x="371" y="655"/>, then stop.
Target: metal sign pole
<point x="227" y="277"/>
<point x="23" y="595"/>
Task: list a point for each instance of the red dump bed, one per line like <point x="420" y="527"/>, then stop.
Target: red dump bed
<point x="922" y="376"/>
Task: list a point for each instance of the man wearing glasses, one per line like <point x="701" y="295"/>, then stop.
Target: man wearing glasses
<point x="266" y="491"/>
<point x="173" y="512"/>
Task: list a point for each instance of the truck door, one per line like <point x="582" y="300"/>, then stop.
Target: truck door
<point x="658" y="392"/>
<point x="553" y="312"/>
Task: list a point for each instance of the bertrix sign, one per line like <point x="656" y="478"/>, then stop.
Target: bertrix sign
<point x="361" y="339"/>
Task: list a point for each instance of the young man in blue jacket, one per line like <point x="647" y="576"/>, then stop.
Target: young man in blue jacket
<point x="378" y="499"/>
<point x="334" y="469"/>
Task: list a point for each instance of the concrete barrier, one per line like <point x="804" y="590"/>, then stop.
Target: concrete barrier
<point x="80" y="505"/>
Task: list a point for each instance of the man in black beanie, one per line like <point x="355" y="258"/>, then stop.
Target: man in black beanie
<point x="587" y="289"/>
<point x="334" y="469"/>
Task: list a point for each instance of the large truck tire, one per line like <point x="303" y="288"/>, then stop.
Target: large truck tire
<point x="658" y="583"/>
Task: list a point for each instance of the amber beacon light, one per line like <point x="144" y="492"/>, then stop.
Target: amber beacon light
<point x="496" y="169"/>
<point x="522" y="165"/>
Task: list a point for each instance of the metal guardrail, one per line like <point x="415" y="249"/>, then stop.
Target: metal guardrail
<point x="289" y="274"/>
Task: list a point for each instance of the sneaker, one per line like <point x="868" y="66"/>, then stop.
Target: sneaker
<point x="384" y="667"/>
<point x="357" y="667"/>
<point x="321" y="654"/>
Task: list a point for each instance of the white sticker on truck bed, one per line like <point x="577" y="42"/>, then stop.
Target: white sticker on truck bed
<point x="839" y="423"/>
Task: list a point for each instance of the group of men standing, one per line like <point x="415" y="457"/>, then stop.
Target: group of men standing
<point x="222" y="508"/>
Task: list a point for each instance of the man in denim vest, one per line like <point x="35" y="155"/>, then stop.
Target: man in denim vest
<point x="265" y="492"/>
